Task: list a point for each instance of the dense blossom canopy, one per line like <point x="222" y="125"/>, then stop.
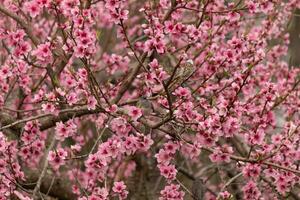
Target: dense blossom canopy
<point x="148" y="99"/>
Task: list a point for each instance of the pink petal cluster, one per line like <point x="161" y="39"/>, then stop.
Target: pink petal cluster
<point x="118" y="99"/>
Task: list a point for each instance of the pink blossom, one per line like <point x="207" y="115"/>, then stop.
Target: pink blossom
<point x="252" y="170"/>
<point x="225" y="195"/>
<point x="5" y="71"/>
<point x="120" y="189"/>
<point x="65" y="130"/>
<point x="2" y="142"/>
<point x="133" y="91"/>
<point x="134" y="112"/>
<point x="57" y="158"/>
<point x="92" y="102"/>
<point x="144" y="142"/>
<point x="163" y="156"/>
<point x="22" y="49"/>
<point x="48" y="108"/>
<point x="120" y="126"/>
<point x="168" y="171"/>
<point x="182" y="92"/>
<point x="171" y="192"/>
<point x="43" y="53"/>
<point x="33" y="8"/>
<point x="251" y="191"/>
<point x="171" y="147"/>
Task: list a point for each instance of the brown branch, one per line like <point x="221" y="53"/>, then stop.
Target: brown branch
<point x="283" y="98"/>
<point x="131" y="47"/>
<point x="44" y="169"/>
<point x="63" y="116"/>
<point x="50" y="122"/>
<point x="259" y="161"/>
<point x="129" y="80"/>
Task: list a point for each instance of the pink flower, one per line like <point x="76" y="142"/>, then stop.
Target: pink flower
<point x="45" y="3"/>
<point x="80" y="51"/>
<point x="219" y="157"/>
<point x="123" y="14"/>
<point x="65" y="130"/>
<point x="168" y="171"/>
<point x="144" y="142"/>
<point x="97" y="161"/>
<point x="134" y="112"/>
<point x="252" y="6"/>
<point x="251" y="192"/>
<point x="57" y="158"/>
<point x="33" y="8"/>
<point x="256" y="137"/>
<point x="5" y="71"/>
<point x="82" y="73"/>
<point x="43" y="53"/>
<point x="277" y="139"/>
<point x="72" y="98"/>
<point x="163" y="157"/>
<point x="48" y="108"/>
<point x="225" y="195"/>
<point x="91" y="103"/>
<point x="130" y="144"/>
<point x="92" y="72"/>
<point x="112" y="4"/>
<point x="22" y="49"/>
<point x="99" y="194"/>
<point x="182" y="92"/>
<point x="69" y="5"/>
<point x="120" y="189"/>
<point x="171" y="192"/>
<point x="3" y="143"/>
<point x="120" y="126"/>
<point x="251" y="170"/>
<point x="171" y="147"/>
<point x="154" y="64"/>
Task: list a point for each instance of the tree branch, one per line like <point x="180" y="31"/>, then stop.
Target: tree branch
<point x="44" y="169"/>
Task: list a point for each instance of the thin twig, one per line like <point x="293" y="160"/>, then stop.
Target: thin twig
<point x="231" y="181"/>
<point x="45" y="166"/>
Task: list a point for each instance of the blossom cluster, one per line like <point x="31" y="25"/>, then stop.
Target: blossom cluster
<point x="118" y="99"/>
